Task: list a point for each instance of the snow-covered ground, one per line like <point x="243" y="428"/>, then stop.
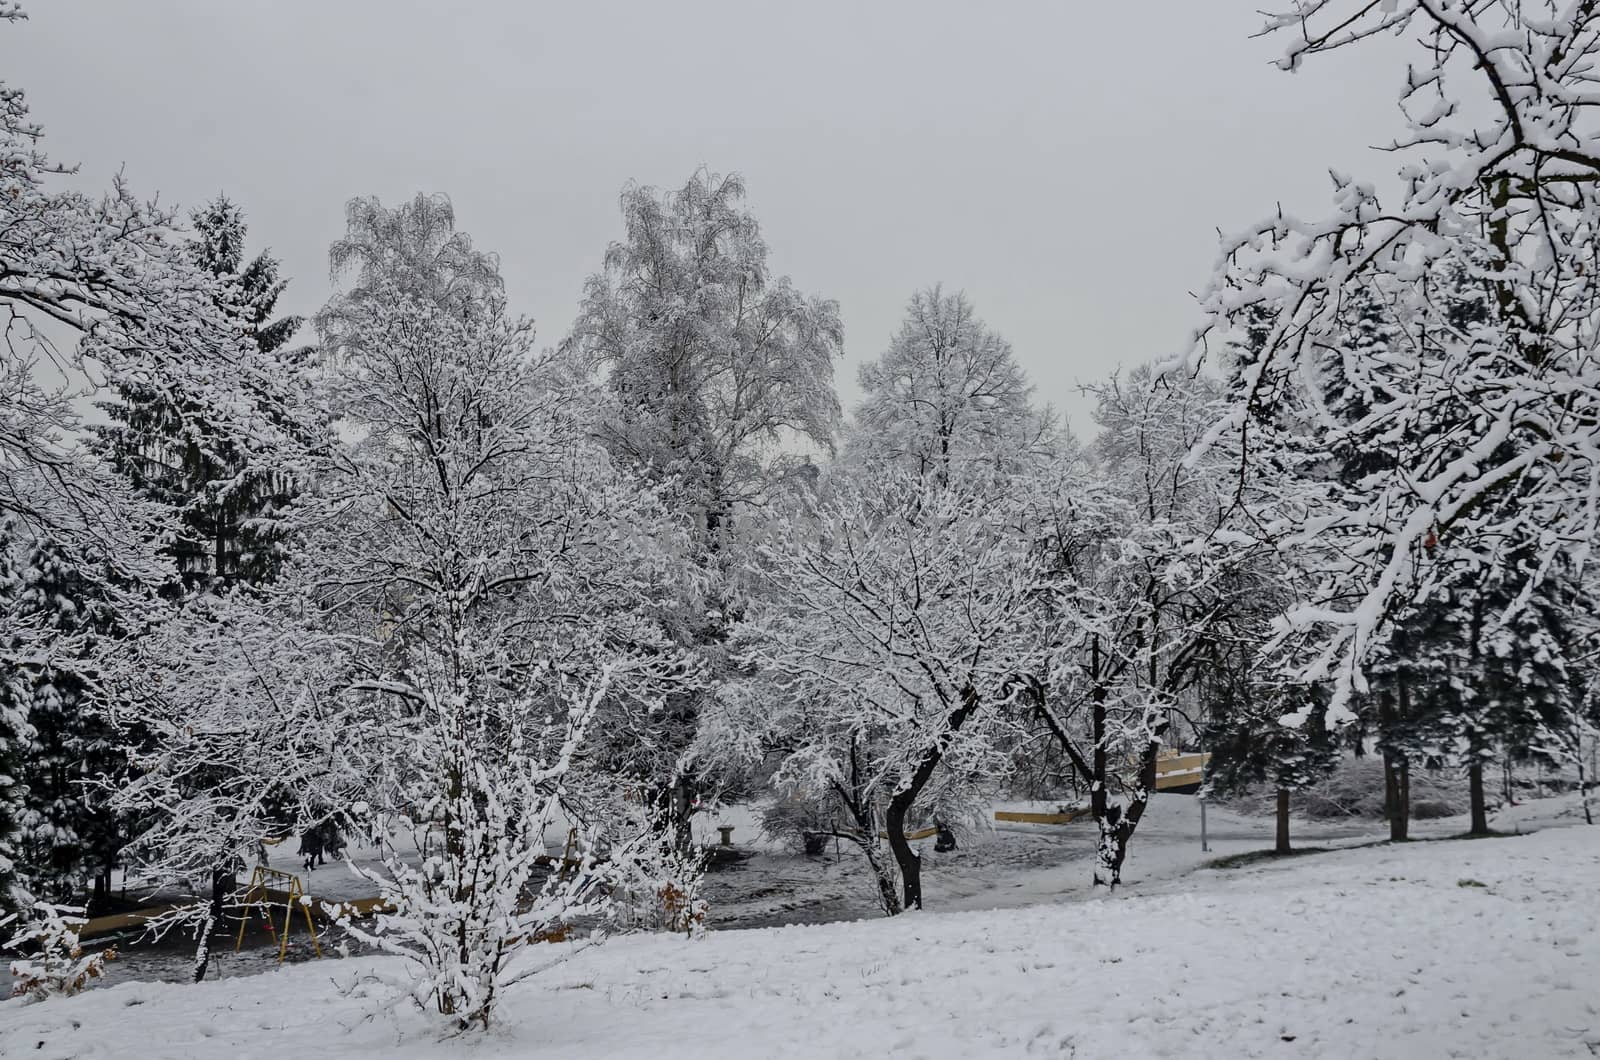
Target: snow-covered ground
<point x="1010" y="865"/>
<point x="1485" y="948"/>
<point x="1003" y="866"/>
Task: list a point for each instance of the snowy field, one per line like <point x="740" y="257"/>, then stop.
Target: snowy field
<point x="1484" y="949"/>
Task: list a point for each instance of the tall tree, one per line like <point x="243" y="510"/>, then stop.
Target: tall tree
<point x="502" y="574"/>
<point x="1488" y="421"/>
<point x="948" y="396"/>
<point x="714" y="362"/>
<point x="231" y="514"/>
<point x="115" y="277"/>
<point x="413" y="250"/>
<point x="715" y="369"/>
<point x="16" y="739"/>
<point x="71" y="832"/>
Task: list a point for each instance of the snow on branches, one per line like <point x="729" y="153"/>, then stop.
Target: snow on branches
<point x="1491" y="418"/>
<point x="893" y="625"/>
<point x="714" y="364"/>
<point x="52" y="962"/>
<point x="481" y="790"/>
<point x="1144" y="595"/>
<point x="114" y="278"/>
<point x="504" y="580"/>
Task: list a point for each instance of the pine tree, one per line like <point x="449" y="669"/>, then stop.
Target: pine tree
<point x="232" y="529"/>
<point x="69" y="833"/>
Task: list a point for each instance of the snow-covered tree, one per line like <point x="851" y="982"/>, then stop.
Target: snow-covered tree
<point x="1146" y="590"/>
<point x="70" y="833"/>
<point x="504" y="577"/>
<point x="948" y="396"/>
<point x="1486" y="418"/>
<point x="893" y="634"/>
<point x="412" y="249"/>
<point x="245" y="737"/>
<point x="483" y="782"/>
<point x="232" y="519"/>
<point x="113" y="277"/>
<point x="1573" y="741"/>
<point x="105" y="296"/>
<point x="714" y="363"/>
<point x="715" y="372"/>
<point x="16" y="738"/>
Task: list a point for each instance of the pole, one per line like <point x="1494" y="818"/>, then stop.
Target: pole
<point x="1201" y="795"/>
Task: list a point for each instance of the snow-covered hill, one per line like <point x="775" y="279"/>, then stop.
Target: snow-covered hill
<point x="1485" y="949"/>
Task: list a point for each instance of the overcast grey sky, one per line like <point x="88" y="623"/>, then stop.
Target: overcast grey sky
<point x="1067" y="164"/>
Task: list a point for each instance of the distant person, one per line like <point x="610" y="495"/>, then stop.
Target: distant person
<point x="311" y="847"/>
<point x="333" y="843"/>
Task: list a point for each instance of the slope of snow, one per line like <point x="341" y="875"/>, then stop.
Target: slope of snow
<point x="1485" y="949"/>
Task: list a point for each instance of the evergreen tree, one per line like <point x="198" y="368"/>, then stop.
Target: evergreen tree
<point x="1524" y="678"/>
<point x="1243" y="707"/>
<point x="231" y="514"/>
<point x="69" y="833"/>
<point x="1249" y="744"/>
<point x="15" y="736"/>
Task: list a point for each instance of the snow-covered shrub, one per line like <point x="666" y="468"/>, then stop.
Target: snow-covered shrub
<point x="482" y="891"/>
<point x="56" y="962"/>
<point x="660" y="889"/>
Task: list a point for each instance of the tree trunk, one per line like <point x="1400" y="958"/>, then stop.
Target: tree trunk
<point x="671" y="817"/>
<point x="883" y="876"/>
<point x="223" y="884"/>
<point x="865" y="816"/>
<point x="100" y="895"/>
<point x="1112" y="848"/>
<point x="1480" y="811"/>
<point x="1282" y="845"/>
<point x="1396" y="770"/>
<point x="202" y="951"/>
<point x="1397" y="795"/>
<point x="900" y="804"/>
<point x="1583" y="784"/>
<point x="909" y="863"/>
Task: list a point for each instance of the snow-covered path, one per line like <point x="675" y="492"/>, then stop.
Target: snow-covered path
<point x="1482" y="949"/>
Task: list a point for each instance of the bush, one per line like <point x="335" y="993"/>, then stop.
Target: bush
<point x="58" y="964"/>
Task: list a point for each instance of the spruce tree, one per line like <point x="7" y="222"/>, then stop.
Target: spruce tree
<point x="1243" y="705"/>
<point x="232" y="529"/>
<point x="70" y="834"/>
<point x="1525" y="677"/>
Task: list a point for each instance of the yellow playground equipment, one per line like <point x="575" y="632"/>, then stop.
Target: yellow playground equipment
<point x="261" y="896"/>
<point x="1180" y="771"/>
